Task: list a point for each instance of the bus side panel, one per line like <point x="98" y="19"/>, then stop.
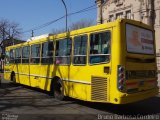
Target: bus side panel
<point x="23" y="74"/>
<point x="46" y="72"/>
<point x="117" y="58"/>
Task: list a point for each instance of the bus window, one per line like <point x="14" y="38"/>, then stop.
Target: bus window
<point x="35" y="53"/>
<point x="7" y="55"/>
<point x="47" y="52"/>
<point x="25" y="54"/>
<point x="12" y="56"/>
<point x="100" y="47"/>
<point x="80" y="50"/>
<point x="63" y="51"/>
<point x="18" y="55"/>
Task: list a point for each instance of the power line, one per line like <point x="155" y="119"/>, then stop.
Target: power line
<point x="83" y="10"/>
<point x="53" y="21"/>
<point x="44" y="25"/>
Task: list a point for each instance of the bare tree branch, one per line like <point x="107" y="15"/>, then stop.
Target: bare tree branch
<point x="56" y="31"/>
<point x="9" y="30"/>
<point x="74" y="26"/>
<point x="81" y="24"/>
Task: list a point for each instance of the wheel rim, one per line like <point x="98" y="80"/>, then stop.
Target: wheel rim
<point x="59" y="90"/>
<point x="14" y="79"/>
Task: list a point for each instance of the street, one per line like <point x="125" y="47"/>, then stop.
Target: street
<point x="25" y="103"/>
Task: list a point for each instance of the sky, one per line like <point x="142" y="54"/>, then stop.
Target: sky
<point x="30" y="14"/>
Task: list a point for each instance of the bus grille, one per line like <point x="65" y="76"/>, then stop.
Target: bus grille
<point x="99" y="89"/>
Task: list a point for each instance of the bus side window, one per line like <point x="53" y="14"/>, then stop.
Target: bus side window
<point x="63" y="51"/>
<point x="80" y="50"/>
<point x="35" y="53"/>
<point x="7" y="60"/>
<point x="25" y="54"/>
<point x="18" y="55"/>
<point x="100" y="47"/>
<point x="12" y="56"/>
<point x="47" y="52"/>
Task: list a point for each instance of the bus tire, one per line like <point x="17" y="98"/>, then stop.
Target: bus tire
<point x="13" y="77"/>
<point x="58" y="89"/>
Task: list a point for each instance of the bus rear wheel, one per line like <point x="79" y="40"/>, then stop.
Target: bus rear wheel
<point x="58" y="89"/>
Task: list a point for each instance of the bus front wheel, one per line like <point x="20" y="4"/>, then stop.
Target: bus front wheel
<point x="13" y="78"/>
<point x="58" y="89"/>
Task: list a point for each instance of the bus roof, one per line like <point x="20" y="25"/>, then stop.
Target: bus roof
<point x="48" y="37"/>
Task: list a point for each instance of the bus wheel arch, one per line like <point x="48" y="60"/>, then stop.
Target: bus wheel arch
<point x="57" y="88"/>
<point x="13" y="77"/>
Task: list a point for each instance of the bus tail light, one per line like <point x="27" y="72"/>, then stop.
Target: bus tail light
<point x="121" y="77"/>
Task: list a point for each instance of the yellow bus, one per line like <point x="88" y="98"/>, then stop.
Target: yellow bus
<point x="110" y="63"/>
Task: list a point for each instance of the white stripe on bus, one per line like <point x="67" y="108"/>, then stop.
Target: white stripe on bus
<point x="64" y="79"/>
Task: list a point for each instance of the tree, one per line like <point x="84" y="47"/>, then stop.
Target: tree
<point x="74" y="26"/>
<point x="57" y="31"/>
<point x="81" y="24"/>
<point x="8" y="31"/>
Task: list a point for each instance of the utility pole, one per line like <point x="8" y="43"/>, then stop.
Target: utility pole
<point x="32" y="33"/>
<point x="12" y="38"/>
<point x="3" y="38"/>
<point x="66" y="15"/>
<point x="3" y="33"/>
